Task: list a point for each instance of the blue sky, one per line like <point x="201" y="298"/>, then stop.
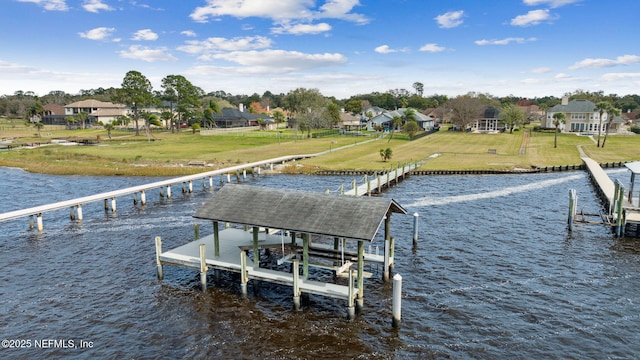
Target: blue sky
<point x="341" y="47"/>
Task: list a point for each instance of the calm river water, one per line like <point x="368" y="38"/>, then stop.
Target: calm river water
<point x="496" y="274"/>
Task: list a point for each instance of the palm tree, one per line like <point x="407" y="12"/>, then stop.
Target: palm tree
<point x="396" y="121"/>
<point x="602" y="107"/>
<point x="108" y="127"/>
<point x="612" y="113"/>
<point x="39" y="125"/>
<point x="558" y="118"/>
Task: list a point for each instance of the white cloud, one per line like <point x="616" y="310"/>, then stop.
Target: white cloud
<point x="559" y="76"/>
<point x="144" y="53"/>
<point x="533" y="17"/>
<point x="620" y="76"/>
<point x="450" y="19"/>
<point x="541" y="70"/>
<point x="281" y="60"/>
<point x="145" y="34"/>
<point x="189" y="33"/>
<point x="300" y="29"/>
<point x="279" y="11"/>
<point x="432" y="48"/>
<point x="219" y="44"/>
<point x="505" y="41"/>
<point x="100" y="33"/>
<point x="600" y="62"/>
<point x="96" y="6"/>
<point x="550" y="3"/>
<point x="53" y="5"/>
<point x="385" y="49"/>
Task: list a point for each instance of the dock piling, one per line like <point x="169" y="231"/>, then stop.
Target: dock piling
<point x="158" y="253"/>
<point x="573" y="200"/>
<point x="203" y="266"/>
<point x="416" y="216"/>
<point x="397" y="300"/>
<point x="39" y="222"/>
<point x="351" y="309"/>
<point x="296" y="284"/>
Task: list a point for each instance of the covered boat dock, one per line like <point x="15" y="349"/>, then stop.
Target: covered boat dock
<point x="305" y="228"/>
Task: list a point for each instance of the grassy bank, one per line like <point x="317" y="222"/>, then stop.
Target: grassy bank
<point x="168" y="154"/>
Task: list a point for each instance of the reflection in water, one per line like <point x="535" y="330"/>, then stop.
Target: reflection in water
<point x="495" y="274"/>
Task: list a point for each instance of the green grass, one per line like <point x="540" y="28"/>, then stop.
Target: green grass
<point x="168" y="153"/>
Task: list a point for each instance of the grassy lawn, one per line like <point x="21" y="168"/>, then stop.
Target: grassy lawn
<point x="169" y="153"/>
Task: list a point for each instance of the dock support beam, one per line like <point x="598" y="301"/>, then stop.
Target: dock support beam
<point x="296" y="284"/>
<point x="203" y="266"/>
<point x="573" y="201"/>
<point x="39" y="222"/>
<point x="158" y="253"/>
<point x="256" y="249"/>
<point x="244" y="278"/>
<point x="216" y="239"/>
<point x="360" y="274"/>
<point x="351" y="309"/>
<point x="305" y="256"/>
<point x="396" y="302"/>
<point x="416" y="216"/>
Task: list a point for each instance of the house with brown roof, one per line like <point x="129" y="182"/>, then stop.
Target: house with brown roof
<point x="99" y="111"/>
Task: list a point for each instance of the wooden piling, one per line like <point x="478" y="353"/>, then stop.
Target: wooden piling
<point x="573" y="200"/>
<point x="158" y="253"/>
<point x="216" y="239"/>
<point x="168" y="191"/>
<point x="79" y="211"/>
<point x="397" y="300"/>
<point x="296" y="284"/>
<point x="385" y="271"/>
<point x="113" y="204"/>
<point x="39" y="222"/>
<point x="143" y="198"/>
<point x="351" y="309"/>
<point x="305" y="255"/>
<point x="360" y="274"/>
<point x="256" y="249"/>
<point x="203" y="266"/>
<point x="416" y="217"/>
<point x="196" y="231"/>
<point x="244" y="278"/>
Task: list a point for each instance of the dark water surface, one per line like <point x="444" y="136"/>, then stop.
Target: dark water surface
<point x="495" y="275"/>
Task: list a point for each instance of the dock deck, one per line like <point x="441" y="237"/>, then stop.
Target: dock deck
<point x="232" y="241"/>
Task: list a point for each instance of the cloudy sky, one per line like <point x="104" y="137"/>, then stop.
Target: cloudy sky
<point x="341" y="47"/>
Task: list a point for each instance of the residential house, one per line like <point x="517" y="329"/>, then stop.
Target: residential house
<point x="384" y="120"/>
<point x="582" y="117"/>
<point x="489" y="121"/>
<point x="54" y="115"/>
<point x="99" y="111"/>
<point x="232" y="117"/>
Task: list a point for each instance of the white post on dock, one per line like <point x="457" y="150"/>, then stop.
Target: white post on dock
<point x="143" y="198"/>
<point x="228" y="178"/>
<point x="190" y="186"/>
<point x="366" y="179"/>
<point x="355" y="187"/>
<point x="360" y="274"/>
<point x="573" y="200"/>
<point x="397" y="300"/>
<point x="244" y="174"/>
<point x="416" y="216"/>
<point x="168" y="191"/>
<point x="243" y="273"/>
<point x="619" y="209"/>
<point x="296" y="284"/>
<point x="158" y="253"/>
<point x="210" y="182"/>
<point x="203" y="266"/>
<point x="39" y="222"/>
<point x="351" y="309"/>
<point x="79" y="211"/>
<point x="113" y="204"/>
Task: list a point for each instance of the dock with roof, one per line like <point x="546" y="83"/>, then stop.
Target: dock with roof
<point x="308" y="230"/>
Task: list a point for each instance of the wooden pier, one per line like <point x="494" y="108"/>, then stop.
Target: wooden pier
<point x="377" y="182"/>
<point x="622" y="212"/>
<point x="299" y="225"/>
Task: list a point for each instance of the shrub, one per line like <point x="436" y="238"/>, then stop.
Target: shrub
<point x="635" y="129"/>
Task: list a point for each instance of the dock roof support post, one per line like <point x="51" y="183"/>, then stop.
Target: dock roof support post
<point x="39" y="222"/>
<point x="216" y="239"/>
<point x="293" y="238"/>
<point x="360" y="274"/>
<point x="392" y="245"/>
<point x="305" y="256"/>
<point x="619" y="209"/>
<point x="158" y="253"/>
<point x="387" y="225"/>
<point x="355" y="187"/>
<point x="244" y="278"/>
<point x="366" y="179"/>
<point x="416" y="217"/>
<point x="256" y="249"/>
<point x="203" y="266"/>
<point x="296" y="284"/>
<point x="379" y="185"/>
<point x="385" y="272"/>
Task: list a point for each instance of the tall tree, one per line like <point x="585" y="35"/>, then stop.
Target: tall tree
<point x="308" y="107"/>
<point x="611" y="114"/>
<point x="558" y="118"/>
<point x="512" y="116"/>
<point x="465" y="108"/>
<point x="395" y="122"/>
<point x="136" y="93"/>
<point x="602" y="107"/>
<point x="179" y="90"/>
<point x="419" y="87"/>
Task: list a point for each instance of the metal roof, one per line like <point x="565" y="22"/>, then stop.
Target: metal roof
<point x="305" y="212"/>
<point x="633" y="166"/>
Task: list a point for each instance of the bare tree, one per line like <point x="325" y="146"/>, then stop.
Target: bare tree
<point x="466" y="109"/>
